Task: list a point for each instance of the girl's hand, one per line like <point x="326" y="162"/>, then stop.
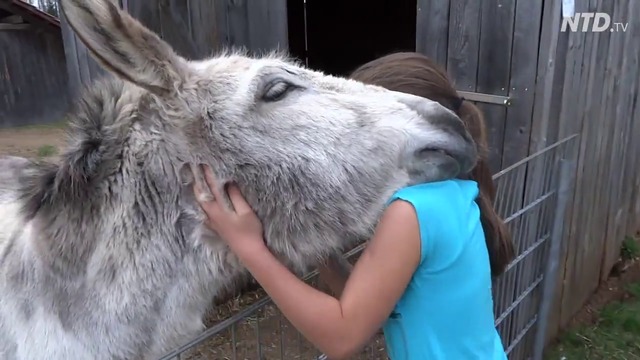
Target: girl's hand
<point x="239" y="227"/>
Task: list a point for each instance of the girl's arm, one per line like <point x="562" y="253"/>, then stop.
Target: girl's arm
<point x="334" y="273"/>
<point x="341" y="327"/>
<point x="338" y="327"/>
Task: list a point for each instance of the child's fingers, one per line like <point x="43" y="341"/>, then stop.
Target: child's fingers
<point x="237" y="199"/>
<point x="210" y="207"/>
<point x="211" y="182"/>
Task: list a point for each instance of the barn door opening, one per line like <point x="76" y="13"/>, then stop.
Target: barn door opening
<point x="337" y="36"/>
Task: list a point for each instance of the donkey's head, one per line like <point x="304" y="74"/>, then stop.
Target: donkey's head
<point x="251" y="111"/>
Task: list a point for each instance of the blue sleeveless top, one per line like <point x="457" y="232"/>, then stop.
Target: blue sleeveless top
<point x="446" y="312"/>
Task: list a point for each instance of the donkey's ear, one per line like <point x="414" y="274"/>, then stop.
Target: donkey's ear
<point x="124" y="46"/>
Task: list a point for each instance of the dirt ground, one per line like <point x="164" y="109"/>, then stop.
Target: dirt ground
<point x="32" y="142"/>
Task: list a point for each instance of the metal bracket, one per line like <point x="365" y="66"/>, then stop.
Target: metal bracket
<point x="486" y="98"/>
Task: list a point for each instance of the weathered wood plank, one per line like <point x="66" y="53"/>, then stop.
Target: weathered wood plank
<point x="631" y="186"/>
<point x="82" y="68"/>
<point x="267" y="25"/>
<point x="522" y="81"/>
<point x="549" y="35"/>
<point x="71" y="56"/>
<point x="237" y="27"/>
<point x="514" y="131"/>
<point x="84" y="57"/>
<point x="432" y="29"/>
<point x="630" y="164"/>
<point x="569" y="65"/>
<point x="587" y="96"/>
<point x="494" y="52"/>
<point x="206" y="22"/>
<point x="575" y="204"/>
<point x="599" y="216"/>
<point x="633" y="220"/>
<point x="545" y="72"/>
<point x="568" y="114"/>
<point x="258" y="26"/>
<point x="147" y="12"/>
<point x="464" y="39"/>
<point x="496" y="38"/>
<point x="550" y="129"/>
<point x="175" y="22"/>
<point x="627" y="77"/>
<point x="33" y="78"/>
<point x="583" y="263"/>
<point x="555" y="106"/>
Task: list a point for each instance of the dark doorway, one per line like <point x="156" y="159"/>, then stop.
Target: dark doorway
<point x="343" y="34"/>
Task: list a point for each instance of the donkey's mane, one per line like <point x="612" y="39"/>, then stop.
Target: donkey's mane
<point x="95" y="141"/>
<point x="70" y="200"/>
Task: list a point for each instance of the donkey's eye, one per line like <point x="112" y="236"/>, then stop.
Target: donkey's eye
<point x="277" y="90"/>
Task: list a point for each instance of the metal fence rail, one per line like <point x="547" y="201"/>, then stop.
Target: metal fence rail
<point x="535" y="216"/>
<point x="531" y="196"/>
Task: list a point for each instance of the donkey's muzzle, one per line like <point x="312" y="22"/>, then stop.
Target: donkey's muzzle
<point x="454" y="140"/>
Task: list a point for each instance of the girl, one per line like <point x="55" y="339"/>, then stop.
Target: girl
<point x="425" y="275"/>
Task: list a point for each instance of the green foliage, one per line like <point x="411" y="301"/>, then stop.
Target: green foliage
<point x="630" y="248"/>
<point x="47" y="150"/>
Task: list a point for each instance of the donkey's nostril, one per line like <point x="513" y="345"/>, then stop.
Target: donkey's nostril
<point x="432" y="150"/>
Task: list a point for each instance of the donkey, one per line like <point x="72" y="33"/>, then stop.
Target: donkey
<point x="103" y="255"/>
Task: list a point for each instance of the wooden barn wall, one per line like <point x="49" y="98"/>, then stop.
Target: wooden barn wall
<point x="488" y="47"/>
<point x="595" y="85"/>
<point x="194" y="28"/>
<point x="560" y="83"/>
<point x="32" y="79"/>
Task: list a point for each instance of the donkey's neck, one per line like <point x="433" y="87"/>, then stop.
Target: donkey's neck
<point x="111" y="234"/>
<point x="117" y="184"/>
<point x="122" y="260"/>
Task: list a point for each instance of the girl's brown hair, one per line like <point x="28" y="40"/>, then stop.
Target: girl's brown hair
<point x="416" y="74"/>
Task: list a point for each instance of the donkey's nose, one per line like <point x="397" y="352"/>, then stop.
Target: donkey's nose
<point x="457" y="141"/>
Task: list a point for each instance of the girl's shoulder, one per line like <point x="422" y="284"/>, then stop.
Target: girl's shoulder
<point x="443" y="210"/>
<point x="442" y="202"/>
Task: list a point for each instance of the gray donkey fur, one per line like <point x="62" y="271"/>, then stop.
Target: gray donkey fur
<point x="103" y="255"/>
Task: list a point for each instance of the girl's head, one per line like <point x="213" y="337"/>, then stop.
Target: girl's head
<point x="416" y="74"/>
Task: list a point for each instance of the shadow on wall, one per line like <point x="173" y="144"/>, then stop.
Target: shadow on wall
<point x="342" y="35"/>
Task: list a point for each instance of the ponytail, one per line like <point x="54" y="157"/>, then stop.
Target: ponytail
<point x="497" y="235"/>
